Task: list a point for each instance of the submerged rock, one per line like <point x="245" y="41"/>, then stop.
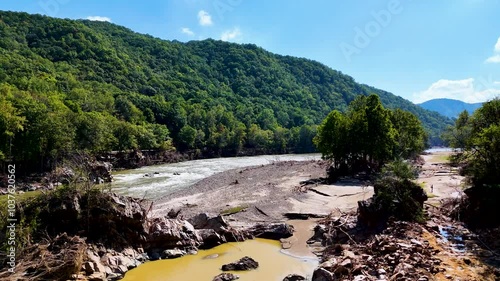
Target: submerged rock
<point x="245" y="263"/>
<point x="226" y="277"/>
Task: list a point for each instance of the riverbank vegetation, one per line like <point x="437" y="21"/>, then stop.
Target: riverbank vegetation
<point x="372" y="140"/>
<point x="368" y="136"/>
<point x="477" y="138"/>
<point x="81" y="85"/>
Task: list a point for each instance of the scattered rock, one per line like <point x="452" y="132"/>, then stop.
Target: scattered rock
<point x="272" y="231"/>
<point x="226" y="277"/>
<point x="172" y="254"/>
<point x="210" y="238"/>
<point x="397" y="253"/>
<point x="245" y="263"/>
<point x="173" y="213"/>
<point x="100" y="172"/>
<point x="294" y="277"/>
<point x="321" y="274"/>
<point x="171" y="233"/>
<point x="206" y="221"/>
<point x="98" y="276"/>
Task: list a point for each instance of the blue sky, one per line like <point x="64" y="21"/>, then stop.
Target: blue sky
<point x="419" y="50"/>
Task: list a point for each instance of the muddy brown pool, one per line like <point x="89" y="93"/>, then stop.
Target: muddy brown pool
<point x="273" y="264"/>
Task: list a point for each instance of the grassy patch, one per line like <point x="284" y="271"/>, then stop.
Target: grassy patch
<point x="440" y="158"/>
<point x="18" y="197"/>
<point x="234" y="210"/>
<point x="431" y="195"/>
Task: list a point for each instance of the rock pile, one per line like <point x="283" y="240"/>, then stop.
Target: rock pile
<point x="394" y="254"/>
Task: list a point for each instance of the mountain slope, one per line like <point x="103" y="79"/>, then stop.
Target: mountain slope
<point x="95" y="86"/>
<point x="449" y="107"/>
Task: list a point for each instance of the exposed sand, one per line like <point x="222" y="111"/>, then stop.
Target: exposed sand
<point x="439" y="179"/>
<point x="266" y="193"/>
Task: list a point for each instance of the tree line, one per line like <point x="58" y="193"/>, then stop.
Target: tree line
<point x="477" y="140"/>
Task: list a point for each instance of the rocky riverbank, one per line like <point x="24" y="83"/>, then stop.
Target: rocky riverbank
<point x="436" y="250"/>
<point x="104" y="239"/>
<point x="100" y="236"/>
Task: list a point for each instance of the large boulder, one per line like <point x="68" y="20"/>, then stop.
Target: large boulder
<point x="121" y="217"/>
<point x="245" y="263"/>
<point x="170" y="233"/>
<point x="210" y="238"/>
<point x="207" y="221"/>
<point x="274" y="231"/>
<point x="100" y="172"/>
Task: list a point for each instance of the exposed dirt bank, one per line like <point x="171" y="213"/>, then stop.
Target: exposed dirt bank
<point x="267" y="193"/>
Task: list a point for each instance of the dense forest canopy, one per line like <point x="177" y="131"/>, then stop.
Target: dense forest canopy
<point x="71" y="85"/>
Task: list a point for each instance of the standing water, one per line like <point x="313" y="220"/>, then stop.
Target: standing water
<point x="273" y="265"/>
<point x="153" y="182"/>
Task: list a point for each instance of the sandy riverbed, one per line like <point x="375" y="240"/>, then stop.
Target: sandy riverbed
<point x="439" y="179"/>
<point x="266" y="193"/>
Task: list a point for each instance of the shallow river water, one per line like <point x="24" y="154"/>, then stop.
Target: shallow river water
<point x="152" y="182"/>
<point x="273" y="264"/>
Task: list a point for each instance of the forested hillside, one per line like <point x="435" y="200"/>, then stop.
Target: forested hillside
<point x="69" y="85"/>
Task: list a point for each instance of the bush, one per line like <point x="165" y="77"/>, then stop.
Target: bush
<point x="396" y="196"/>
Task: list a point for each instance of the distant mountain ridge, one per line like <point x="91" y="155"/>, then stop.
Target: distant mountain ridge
<point x="449" y="107"/>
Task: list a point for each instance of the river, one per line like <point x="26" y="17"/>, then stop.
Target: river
<point x="153" y="182"/>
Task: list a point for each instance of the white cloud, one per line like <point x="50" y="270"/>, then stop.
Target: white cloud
<point x="99" y="18"/>
<point x="496" y="56"/>
<point x="187" y="31"/>
<point x="204" y="18"/>
<point x="493" y="59"/>
<point x="231" y="35"/>
<point x="464" y="90"/>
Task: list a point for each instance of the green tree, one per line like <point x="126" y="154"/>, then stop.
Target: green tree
<point x="458" y="135"/>
<point x="187" y="137"/>
<point x="11" y="122"/>
<point x="332" y="139"/>
<point x="410" y="136"/>
<point x="367" y="136"/>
